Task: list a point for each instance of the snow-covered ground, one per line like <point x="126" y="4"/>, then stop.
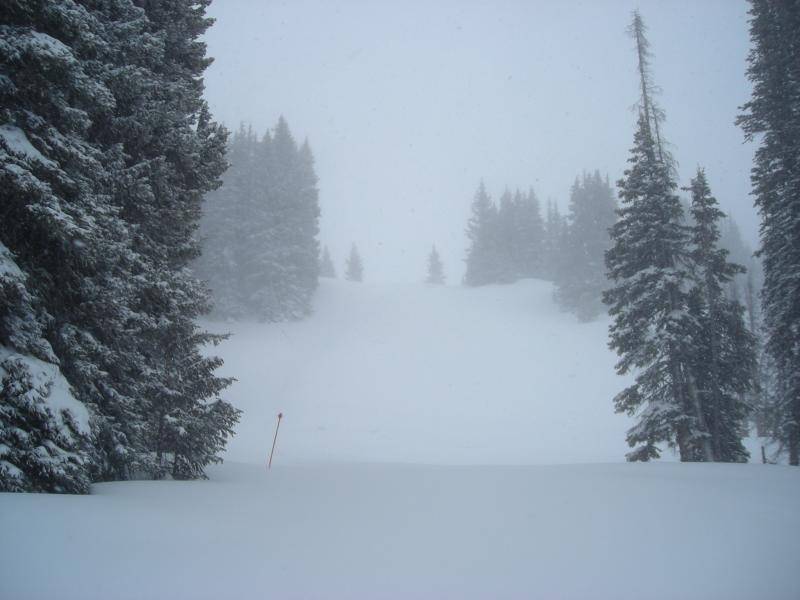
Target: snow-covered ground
<point x="615" y="532"/>
<point x="422" y="456"/>
<point x="434" y="375"/>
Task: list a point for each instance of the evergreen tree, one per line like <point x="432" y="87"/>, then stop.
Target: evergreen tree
<point x="70" y="242"/>
<point x="105" y="153"/>
<point x="261" y="227"/>
<point x="773" y="116"/>
<point x="725" y="361"/>
<point x="483" y="254"/>
<point x="223" y="228"/>
<point x="507" y="237"/>
<point x="435" y="268"/>
<point x="44" y="431"/>
<point x="180" y="153"/>
<point x="326" y="268"/>
<point x="652" y="330"/>
<point x="530" y="238"/>
<point x="355" y="268"/>
<point x="554" y="242"/>
<point x="581" y="280"/>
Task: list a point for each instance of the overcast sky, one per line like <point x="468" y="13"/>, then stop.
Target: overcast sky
<point x="408" y="105"/>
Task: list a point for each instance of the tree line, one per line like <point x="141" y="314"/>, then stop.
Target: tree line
<point x="259" y="229"/>
<point x="511" y="240"/>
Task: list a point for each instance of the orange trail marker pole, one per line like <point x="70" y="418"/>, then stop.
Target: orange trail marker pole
<point x="275" y="439"/>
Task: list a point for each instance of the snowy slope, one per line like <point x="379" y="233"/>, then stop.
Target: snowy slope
<point x="466" y="381"/>
<point x="587" y="532"/>
<point x="436" y="375"/>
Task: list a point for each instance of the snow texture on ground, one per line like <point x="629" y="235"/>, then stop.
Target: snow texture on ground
<point x="616" y="532"/>
<point x="426" y="374"/>
<point x="466" y="381"/>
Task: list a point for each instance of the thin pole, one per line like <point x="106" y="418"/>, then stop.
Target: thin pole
<point x="275" y="439"/>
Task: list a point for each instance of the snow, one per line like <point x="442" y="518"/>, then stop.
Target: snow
<point x="60" y="397"/>
<point x="616" y="532"/>
<point x="8" y="266"/>
<point x="486" y="386"/>
<point x="17" y="142"/>
<point x="48" y="44"/>
<point x="427" y="374"/>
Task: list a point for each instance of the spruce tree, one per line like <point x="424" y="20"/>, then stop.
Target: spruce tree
<point x="530" y="238"/>
<point x="180" y="153"/>
<point x="581" y="281"/>
<point x="260" y="230"/>
<point x="44" y="429"/>
<point x="773" y="117"/>
<point x="483" y="252"/>
<point x="554" y="242"/>
<point x="507" y="238"/>
<point x="354" y="270"/>
<point x="326" y="268"/>
<point x="106" y="151"/>
<point x="223" y="236"/>
<point x="724" y="366"/>
<point x="79" y="266"/>
<point x="435" y="268"/>
<point x="648" y="263"/>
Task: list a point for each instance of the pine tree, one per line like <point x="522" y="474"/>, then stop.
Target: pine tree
<point x="483" y="252"/>
<point x="435" y="268"/>
<point x="581" y="280"/>
<point x="60" y="176"/>
<point x="223" y="236"/>
<point x="261" y="229"/>
<point x="44" y="429"/>
<point x="724" y="366"/>
<point x="530" y="238"/>
<point x="355" y="268"/>
<point x="508" y="239"/>
<point x="326" y="268"/>
<point x="180" y="153"/>
<point x="107" y="149"/>
<point x="773" y="116"/>
<point x="554" y="242"/>
<point x="648" y="264"/>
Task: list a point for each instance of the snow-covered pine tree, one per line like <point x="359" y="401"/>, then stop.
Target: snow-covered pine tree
<point x="60" y="176"/>
<point x="483" y="252"/>
<point x="652" y="330"/>
<point x="44" y="430"/>
<point x="528" y="255"/>
<point x="773" y="116"/>
<point x="292" y="249"/>
<point x="263" y="228"/>
<point x="326" y="268"/>
<point x="581" y="281"/>
<point x="741" y="253"/>
<point x="648" y="301"/>
<point x="107" y="149"/>
<point x="435" y="268"/>
<point x="724" y="366"/>
<point x="508" y="238"/>
<point x="554" y="242"/>
<point x="171" y="137"/>
<point x="307" y="218"/>
<point x="354" y="270"/>
<point x="222" y="228"/>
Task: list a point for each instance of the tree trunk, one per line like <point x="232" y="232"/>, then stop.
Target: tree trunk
<point x="705" y="446"/>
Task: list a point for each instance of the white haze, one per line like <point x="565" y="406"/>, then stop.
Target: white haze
<point x="408" y="105"/>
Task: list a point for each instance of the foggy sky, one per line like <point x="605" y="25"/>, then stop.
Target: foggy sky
<point x="408" y="105"/>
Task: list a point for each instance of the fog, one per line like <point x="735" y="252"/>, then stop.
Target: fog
<point x="247" y="351"/>
<point x="408" y="106"/>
